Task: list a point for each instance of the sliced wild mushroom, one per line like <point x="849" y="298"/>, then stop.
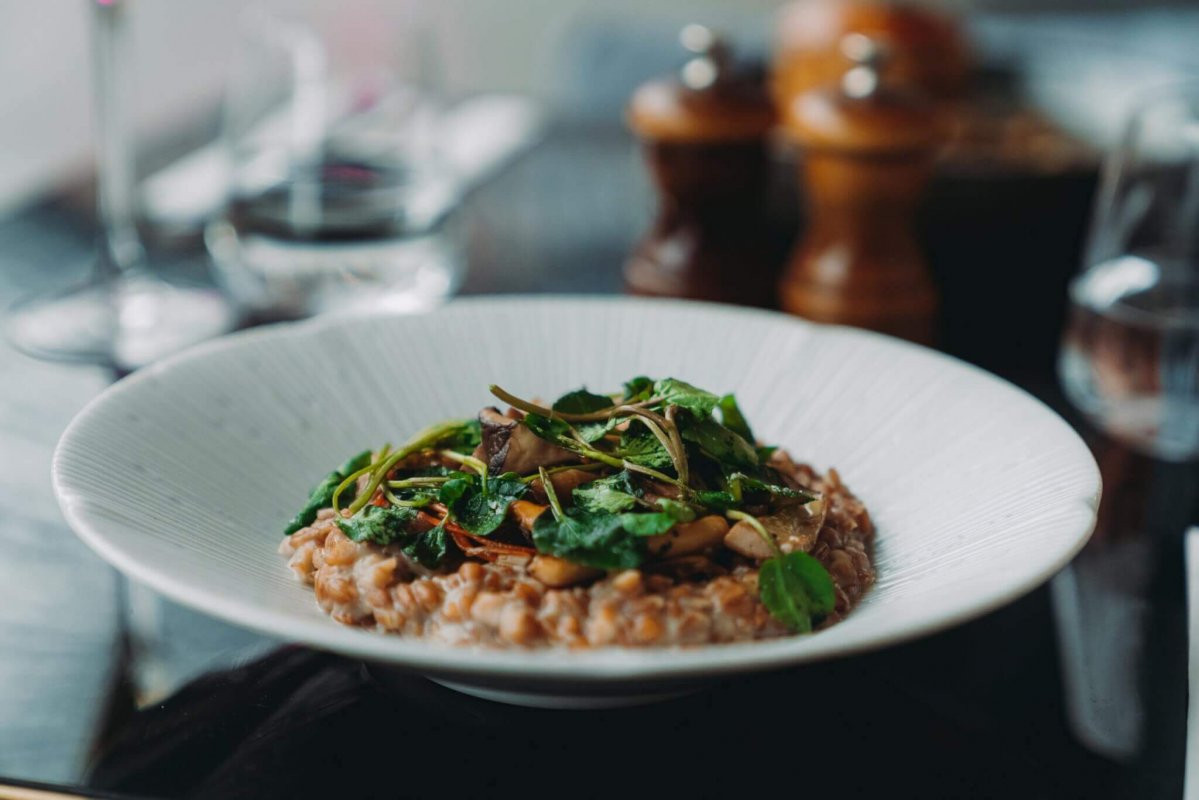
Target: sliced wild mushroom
<point x="509" y="446"/>
<point x="794" y="529"/>
<point x="559" y="572"/>
<point x="564" y="482"/>
<point x="526" y="513"/>
<point x="688" y="537"/>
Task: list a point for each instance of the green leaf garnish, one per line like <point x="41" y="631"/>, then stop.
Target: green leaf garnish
<point x="732" y="418"/>
<point x="481" y="508"/>
<point x="681" y="512"/>
<point x="650" y="523"/>
<point x="582" y="401"/>
<point x="677" y="393"/>
<point x="638" y="390"/>
<point x="797" y="590"/>
<point x="612" y="494"/>
<point x="640" y="446"/>
<point x="717" y="501"/>
<point x="591" y="538"/>
<point x="429" y="549"/>
<point x="321" y="495"/>
<point x="384" y="525"/>
<point x="466" y="438"/>
<point x="381" y="525"/>
<point x="744" y="483"/>
<point x="719" y="443"/>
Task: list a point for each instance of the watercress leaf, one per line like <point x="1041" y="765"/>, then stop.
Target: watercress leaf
<point x="638" y="389"/>
<point x="680" y="512"/>
<point x="477" y="508"/>
<point x="652" y="523"/>
<point x="552" y="430"/>
<point x="641" y="447"/>
<point x="733" y="419"/>
<point x="822" y="595"/>
<point x="379" y="524"/>
<point x="321" y="495"/>
<point x="429" y="549"/>
<point x="675" y="392"/>
<point x="717" y="501"/>
<point x="612" y="494"/>
<point x="591" y="538"/>
<point x="453" y="489"/>
<point x="764" y="453"/>
<point x="746" y="483"/>
<point x="719" y="443"/>
<point x="594" y="431"/>
<point x="582" y="401"/>
<point x="649" y="523"/>
<point x="796" y="589"/>
<point x="465" y="438"/>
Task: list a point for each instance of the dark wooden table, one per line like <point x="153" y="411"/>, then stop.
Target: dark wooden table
<point x="105" y="686"/>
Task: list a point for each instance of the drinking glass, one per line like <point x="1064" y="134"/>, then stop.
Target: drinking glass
<point x="1130" y="355"/>
<point x="123" y="315"/>
<point x="339" y="198"/>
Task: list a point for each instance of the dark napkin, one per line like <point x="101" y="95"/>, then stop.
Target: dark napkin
<point x="972" y="712"/>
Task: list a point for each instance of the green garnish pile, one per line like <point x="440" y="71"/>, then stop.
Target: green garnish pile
<point x="662" y="452"/>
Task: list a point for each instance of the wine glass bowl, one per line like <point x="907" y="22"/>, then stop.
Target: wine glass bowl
<point x="338" y="198"/>
<point x="123" y="315"/>
<point x="1130" y="354"/>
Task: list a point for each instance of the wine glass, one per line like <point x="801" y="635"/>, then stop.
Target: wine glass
<point x="1130" y="355"/>
<point x="338" y="198"/>
<point x="122" y="315"/>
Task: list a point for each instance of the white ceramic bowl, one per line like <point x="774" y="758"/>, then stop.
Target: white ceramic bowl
<point x="183" y="474"/>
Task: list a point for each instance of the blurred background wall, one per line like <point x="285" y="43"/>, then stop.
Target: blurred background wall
<point x="580" y="56"/>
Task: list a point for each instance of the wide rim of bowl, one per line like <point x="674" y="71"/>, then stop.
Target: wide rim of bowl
<point x="588" y="666"/>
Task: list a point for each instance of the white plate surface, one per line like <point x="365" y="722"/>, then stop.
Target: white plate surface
<point x="183" y="474"/>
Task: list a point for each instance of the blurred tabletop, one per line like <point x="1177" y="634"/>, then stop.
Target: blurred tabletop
<point x="1076" y="690"/>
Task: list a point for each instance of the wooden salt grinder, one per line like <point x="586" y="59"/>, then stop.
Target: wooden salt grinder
<point x="704" y="134"/>
<point x="867" y="153"/>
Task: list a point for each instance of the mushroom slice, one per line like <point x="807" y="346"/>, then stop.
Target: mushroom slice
<point x="688" y="537"/>
<point x="558" y="572"/>
<point x="509" y="446"/>
<point x="793" y="528"/>
<point x="564" y="482"/>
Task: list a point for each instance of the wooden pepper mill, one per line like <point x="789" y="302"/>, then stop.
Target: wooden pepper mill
<point x="867" y="152"/>
<point x="926" y="47"/>
<point x="704" y="134"/>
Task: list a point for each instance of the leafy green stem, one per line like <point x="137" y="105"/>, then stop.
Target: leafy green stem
<point x="470" y="461"/>
<point x="658" y="476"/>
<point x="655" y="424"/>
<point x="396" y="501"/>
<point x="563" y="468"/>
<point x="349" y="481"/>
<point x="672" y="428"/>
<point x="594" y="416"/>
<point x="550" y="493"/>
<point x="423" y="440"/>
<point x="422" y="481"/>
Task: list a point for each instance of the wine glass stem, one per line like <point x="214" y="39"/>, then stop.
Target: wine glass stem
<point x="120" y="247"/>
